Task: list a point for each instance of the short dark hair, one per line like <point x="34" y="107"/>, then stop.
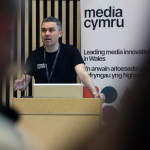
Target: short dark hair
<point x="53" y="19"/>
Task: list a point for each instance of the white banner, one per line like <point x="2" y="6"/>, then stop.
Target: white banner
<point x="114" y="45"/>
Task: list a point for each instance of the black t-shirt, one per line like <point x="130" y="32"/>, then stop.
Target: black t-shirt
<point x="64" y="72"/>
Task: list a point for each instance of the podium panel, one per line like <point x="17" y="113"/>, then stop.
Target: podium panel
<point x="59" y="123"/>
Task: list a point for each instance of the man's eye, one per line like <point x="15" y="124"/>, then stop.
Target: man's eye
<point x="43" y="30"/>
<point x="51" y="30"/>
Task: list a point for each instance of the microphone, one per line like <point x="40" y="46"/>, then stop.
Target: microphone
<point x="26" y="90"/>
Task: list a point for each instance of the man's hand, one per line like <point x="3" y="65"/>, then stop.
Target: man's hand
<point x="86" y="80"/>
<point x="100" y="95"/>
<point x="19" y="85"/>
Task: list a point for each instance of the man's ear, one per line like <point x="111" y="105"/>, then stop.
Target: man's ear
<point x="60" y="34"/>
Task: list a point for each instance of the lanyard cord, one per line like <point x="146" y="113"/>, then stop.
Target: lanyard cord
<point x="46" y="68"/>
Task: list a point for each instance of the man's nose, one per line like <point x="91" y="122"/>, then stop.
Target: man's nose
<point x="47" y="32"/>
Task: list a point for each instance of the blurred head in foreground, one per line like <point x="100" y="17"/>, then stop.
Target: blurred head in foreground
<point x="8" y="12"/>
<point x="9" y="137"/>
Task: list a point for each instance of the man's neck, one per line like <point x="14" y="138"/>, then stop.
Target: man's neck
<point x="51" y="48"/>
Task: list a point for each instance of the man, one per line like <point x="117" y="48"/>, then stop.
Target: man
<point x="62" y="61"/>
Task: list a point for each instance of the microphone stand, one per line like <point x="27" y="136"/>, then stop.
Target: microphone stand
<point x="26" y="90"/>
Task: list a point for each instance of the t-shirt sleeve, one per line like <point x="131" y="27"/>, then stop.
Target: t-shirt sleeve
<point x="77" y="58"/>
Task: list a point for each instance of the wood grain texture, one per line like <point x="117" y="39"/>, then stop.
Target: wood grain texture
<point x="60" y="132"/>
<point x="41" y="19"/>
<point x="60" y="124"/>
<point x="33" y="24"/>
<point x="19" y="46"/>
<point x="26" y="32"/>
<point x="57" y="105"/>
<point x="64" y="21"/>
<point x="12" y="68"/>
<point x="26" y="29"/>
<point x="48" y="8"/>
<point x="56" y="9"/>
<point x="78" y="31"/>
<point x="71" y="23"/>
<point x="11" y="89"/>
<point x="33" y="31"/>
<point x="78" y="26"/>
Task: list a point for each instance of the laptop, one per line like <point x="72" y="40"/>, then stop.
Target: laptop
<point x="57" y="91"/>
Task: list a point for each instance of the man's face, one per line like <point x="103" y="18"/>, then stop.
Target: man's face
<point x="50" y="33"/>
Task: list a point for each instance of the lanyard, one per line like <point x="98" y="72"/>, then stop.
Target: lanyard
<point x="49" y="77"/>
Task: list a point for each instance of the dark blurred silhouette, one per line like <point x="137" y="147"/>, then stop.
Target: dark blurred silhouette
<point x="9" y="114"/>
<point x="132" y="129"/>
<point x="10" y="139"/>
<point x="8" y="13"/>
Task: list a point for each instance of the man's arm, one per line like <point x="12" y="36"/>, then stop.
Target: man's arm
<point x="20" y="84"/>
<point x="87" y="81"/>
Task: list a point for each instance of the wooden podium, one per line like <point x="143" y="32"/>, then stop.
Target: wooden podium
<point x="59" y="123"/>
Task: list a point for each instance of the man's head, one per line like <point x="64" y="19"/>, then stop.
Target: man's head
<point x="51" y="31"/>
<point x="53" y="19"/>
